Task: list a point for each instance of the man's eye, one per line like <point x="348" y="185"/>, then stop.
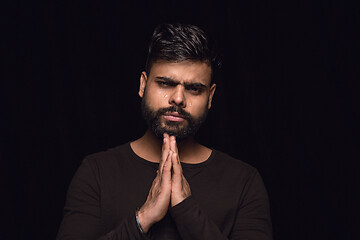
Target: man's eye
<point x="195" y="90"/>
<point x="164" y="84"/>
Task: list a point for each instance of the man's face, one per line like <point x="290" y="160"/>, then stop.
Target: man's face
<point x="176" y="97"/>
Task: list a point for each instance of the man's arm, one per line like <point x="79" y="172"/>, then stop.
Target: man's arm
<point x="191" y="223"/>
<point x="83" y="218"/>
<point x="82" y="213"/>
<point x="252" y="220"/>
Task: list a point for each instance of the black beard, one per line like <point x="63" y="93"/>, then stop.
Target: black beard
<point x="153" y="120"/>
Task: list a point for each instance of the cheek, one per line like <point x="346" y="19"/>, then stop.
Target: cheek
<point x="156" y="97"/>
<point x="197" y="108"/>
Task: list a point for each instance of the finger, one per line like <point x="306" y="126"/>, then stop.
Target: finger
<point x="164" y="152"/>
<point x="165" y="146"/>
<point x="173" y="145"/>
<point x="166" y="135"/>
<point x="167" y="159"/>
<point x="166" y="173"/>
<point x="176" y="167"/>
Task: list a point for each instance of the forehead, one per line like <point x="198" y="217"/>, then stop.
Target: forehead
<point x="186" y="71"/>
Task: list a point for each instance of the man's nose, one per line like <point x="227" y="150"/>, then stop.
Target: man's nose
<point x="178" y="96"/>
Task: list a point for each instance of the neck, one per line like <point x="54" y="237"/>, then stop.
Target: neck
<point x="149" y="148"/>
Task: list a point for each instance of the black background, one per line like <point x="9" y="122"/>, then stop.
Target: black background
<point x="286" y="102"/>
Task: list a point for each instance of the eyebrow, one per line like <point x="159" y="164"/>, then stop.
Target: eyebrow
<point x="187" y="85"/>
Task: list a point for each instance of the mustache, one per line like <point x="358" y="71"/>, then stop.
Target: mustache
<point x="179" y="110"/>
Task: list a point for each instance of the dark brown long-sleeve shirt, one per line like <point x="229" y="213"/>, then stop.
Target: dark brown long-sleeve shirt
<point x="228" y="200"/>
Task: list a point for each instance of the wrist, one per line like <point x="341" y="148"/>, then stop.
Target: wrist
<point x="138" y="222"/>
<point x="176" y="201"/>
<point x="143" y="222"/>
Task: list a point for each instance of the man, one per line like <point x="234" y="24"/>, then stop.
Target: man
<point x="165" y="185"/>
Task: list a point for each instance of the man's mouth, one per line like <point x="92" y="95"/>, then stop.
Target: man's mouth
<point x="174" y="117"/>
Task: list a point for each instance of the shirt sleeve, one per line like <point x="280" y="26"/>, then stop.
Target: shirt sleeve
<point x="252" y="216"/>
<point x="82" y="211"/>
<point x="193" y="223"/>
<point x="253" y="220"/>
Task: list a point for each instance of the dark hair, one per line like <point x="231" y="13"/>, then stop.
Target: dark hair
<point x="181" y="42"/>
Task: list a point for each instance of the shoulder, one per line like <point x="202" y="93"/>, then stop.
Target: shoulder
<point x="238" y="173"/>
<point x="231" y="165"/>
<point x="227" y="160"/>
<point x="109" y="157"/>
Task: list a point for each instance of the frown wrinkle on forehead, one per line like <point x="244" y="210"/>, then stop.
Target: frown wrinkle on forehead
<point x="186" y="84"/>
<point x="182" y="72"/>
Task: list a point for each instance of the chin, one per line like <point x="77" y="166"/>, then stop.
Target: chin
<point x="180" y="134"/>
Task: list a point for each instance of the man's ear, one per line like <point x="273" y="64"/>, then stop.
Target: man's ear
<point x="143" y="81"/>
<point x="211" y="95"/>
